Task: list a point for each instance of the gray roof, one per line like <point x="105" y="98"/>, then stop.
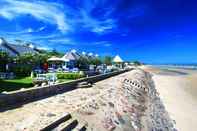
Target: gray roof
<point x="21" y="49"/>
<point x="71" y="56"/>
<point x="9" y="51"/>
<point x="15" y="50"/>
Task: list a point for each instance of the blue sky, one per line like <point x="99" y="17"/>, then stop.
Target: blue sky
<point x="152" y="31"/>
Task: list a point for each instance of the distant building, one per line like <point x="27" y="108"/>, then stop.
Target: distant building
<point x="15" y="49"/>
<point x="72" y="55"/>
<point x="118" y="61"/>
<point x="70" y="59"/>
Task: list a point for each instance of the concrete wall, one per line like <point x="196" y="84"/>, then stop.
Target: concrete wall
<point x="36" y="93"/>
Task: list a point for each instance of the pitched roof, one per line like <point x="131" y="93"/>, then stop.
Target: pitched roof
<point x="71" y="55"/>
<point x="21" y="49"/>
<point x="14" y="50"/>
<point x="117" y="59"/>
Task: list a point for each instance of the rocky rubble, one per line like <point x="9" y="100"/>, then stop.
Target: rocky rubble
<point x="159" y="119"/>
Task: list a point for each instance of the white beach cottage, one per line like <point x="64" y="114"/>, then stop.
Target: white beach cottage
<point x="118" y="61"/>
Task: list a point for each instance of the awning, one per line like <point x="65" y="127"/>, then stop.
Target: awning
<point x="54" y="58"/>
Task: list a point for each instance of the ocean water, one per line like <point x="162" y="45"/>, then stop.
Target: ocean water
<point x="179" y="66"/>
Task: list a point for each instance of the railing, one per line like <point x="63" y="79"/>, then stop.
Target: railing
<point x="6" y="75"/>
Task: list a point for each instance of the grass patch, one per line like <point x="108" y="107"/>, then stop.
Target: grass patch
<point x="63" y="80"/>
<point x="71" y="76"/>
<point x="27" y="82"/>
<point x="15" y="84"/>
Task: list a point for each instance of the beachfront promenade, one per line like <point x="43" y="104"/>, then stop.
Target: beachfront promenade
<point x="117" y="103"/>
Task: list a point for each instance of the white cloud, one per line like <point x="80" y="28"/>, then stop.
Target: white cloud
<point x="42" y="28"/>
<point x="44" y="48"/>
<point x="45" y="11"/>
<point x="55" y="40"/>
<point x="64" y="17"/>
<point x="30" y="30"/>
<point x="103" y="43"/>
<point x="62" y="41"/>
<point x="95" y="25"/>
<point x="22" y="32"/>
<point x="100" y="26"/>
<point x="107" y="45"/>
<point x="101" y="29"/>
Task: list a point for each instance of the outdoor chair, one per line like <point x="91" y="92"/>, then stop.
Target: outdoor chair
<point x="75" y="70"/>
<point x="51" y="70"/>
<point x="2" y="76"/>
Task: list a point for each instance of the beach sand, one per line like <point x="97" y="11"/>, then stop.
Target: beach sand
<point x="178" y="91"/>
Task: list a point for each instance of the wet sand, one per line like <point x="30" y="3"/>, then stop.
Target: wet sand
<point x="178" y="90"/>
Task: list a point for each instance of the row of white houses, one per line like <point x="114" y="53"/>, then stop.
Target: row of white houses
<point x="72" y="55"/>
<point x="70" y="58"/>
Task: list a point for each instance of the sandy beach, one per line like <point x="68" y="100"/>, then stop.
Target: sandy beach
<point x="178" y="91"/>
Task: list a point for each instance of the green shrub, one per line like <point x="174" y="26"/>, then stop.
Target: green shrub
<point x="72" y="76"/>
<point x="114" y="69"/>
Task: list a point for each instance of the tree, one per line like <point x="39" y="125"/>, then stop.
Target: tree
<point x="54" y="52"/>
<point x="95" y="61"/>
<point x="25" y="59"/>
<point x="83" y="62"/>
<point x="40" y="59"/>
<point x="24" y="64"/>
<point x="4" y="59"/>
<point x="108" y="60"/>
<point x="137" y="63"/>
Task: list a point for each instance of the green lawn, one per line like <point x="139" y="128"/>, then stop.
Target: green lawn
<point x="15" y="84"/>
<point x="18" y="83"/>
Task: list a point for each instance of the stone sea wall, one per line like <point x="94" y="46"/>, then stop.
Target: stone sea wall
<point x="157" y="117"/>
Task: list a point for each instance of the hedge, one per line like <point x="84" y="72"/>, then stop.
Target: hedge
<point x="69" y="76"/>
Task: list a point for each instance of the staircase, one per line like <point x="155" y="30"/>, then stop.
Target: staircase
<point x="65" y="123"/>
